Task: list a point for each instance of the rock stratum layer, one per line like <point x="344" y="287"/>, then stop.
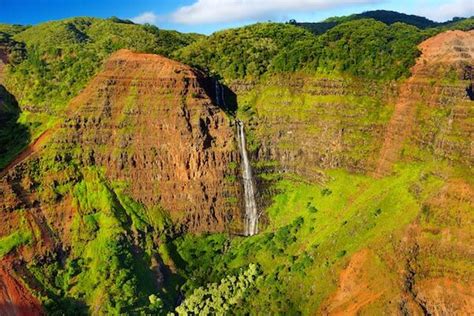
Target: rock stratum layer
<point x="306" y="125"/>
<point x="434" y="106"/>
<point x="144" y="136"/>
<point x="152" y="123"/>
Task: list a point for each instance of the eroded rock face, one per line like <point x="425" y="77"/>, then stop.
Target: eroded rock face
<point x="307" y="124"/>
<point x="434" y="106"/>
<point x="151" y="123"/>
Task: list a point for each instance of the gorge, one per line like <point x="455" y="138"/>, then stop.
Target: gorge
<point x="272" y="169"/>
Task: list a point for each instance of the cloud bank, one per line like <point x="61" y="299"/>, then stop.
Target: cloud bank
<point x="443" y="12"/>
<point x="221" y="11"/>
<point x="145" y="17"/>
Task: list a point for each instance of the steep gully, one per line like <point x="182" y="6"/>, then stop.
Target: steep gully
<point x="441" y="54"/>
<point x="251" y="213"/>
<point x="28" y="151"/>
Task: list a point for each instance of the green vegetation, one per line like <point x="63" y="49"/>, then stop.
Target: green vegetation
<point x="105" y="271"/>
<point x="62" y="56"/>
<point x="219" y="298"/>
<point x="312" y="231"/>
<point x="242" y="52"/>
<point x="21" y="236"/>
<point x="384" y="16"/>
<point x="14" y="135"/>
<point x="17" y="238"/>
<point x="363" y="48"/>
<point x="387" y="17"/>
<point x="376" y="44"/>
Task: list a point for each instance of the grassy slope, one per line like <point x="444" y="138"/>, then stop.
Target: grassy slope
<point x="313" y="230"/>
<point x="106" y="271"/>
<point x="20" y="237"/>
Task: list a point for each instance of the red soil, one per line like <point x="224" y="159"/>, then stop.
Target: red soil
<point x="15" y="297"/>
<point x="439" y="54"/>
<point x="30" y="150"/>
<point x="356" y="289"/>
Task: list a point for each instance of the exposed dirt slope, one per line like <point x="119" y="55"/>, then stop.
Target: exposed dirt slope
<point x="442" y="56"/>
<point x="30" y="150"/>
<point x="358" y="289"/>
<point x="15" y="298"/>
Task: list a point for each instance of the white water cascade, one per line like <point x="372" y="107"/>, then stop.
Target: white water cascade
<point x="251" y="214"/>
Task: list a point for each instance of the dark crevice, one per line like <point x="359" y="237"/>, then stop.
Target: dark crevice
<point x="410" y="279"/>
<point x="470" y="92"/>
<point x="14" y="136"/>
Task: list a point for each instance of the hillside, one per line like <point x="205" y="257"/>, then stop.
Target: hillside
<point x="99" y="185"/>
<point x="384" y="16"/>
<point x="360" y="47"/>
<point x="51" y="63"/>
<point x="125" y="150"/>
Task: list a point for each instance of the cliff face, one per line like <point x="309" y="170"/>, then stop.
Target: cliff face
<point x="151" y="122"/>
<point x="310" y="123"/>
<point x="142" y="144"/>
<point x="434" y="107"/>
<point x="306" y="125"/>
<point x="15" y="297"/>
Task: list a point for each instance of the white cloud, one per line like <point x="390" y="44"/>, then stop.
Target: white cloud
<point x="444" y="12"/>
<point x="212" y="11"/>
<point x="146" y="17"/>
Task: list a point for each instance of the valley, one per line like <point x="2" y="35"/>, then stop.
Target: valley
<point x="272" y="169"/>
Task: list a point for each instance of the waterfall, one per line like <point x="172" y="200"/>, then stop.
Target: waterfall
<point x="251" y="215"/>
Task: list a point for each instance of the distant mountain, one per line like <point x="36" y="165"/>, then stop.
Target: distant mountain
<point x="387" y="17"/>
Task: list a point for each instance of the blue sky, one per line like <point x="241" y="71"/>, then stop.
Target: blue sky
<point x="206" y="16"/>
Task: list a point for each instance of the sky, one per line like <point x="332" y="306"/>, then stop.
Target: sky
<point x="207" y="16"/>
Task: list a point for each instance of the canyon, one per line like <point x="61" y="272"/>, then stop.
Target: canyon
<point x="148" y="153"/>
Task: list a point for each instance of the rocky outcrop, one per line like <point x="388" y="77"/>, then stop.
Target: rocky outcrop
<point x="153" y="126"/>
<point x="151" y="123"/>
<point x="434" y="104"/>
<point x="308" y="124"/>
<point x="311" y="123"/>
<point x="15" y="297"/>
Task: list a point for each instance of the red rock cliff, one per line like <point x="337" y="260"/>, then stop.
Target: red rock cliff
<point x="150" y="122"/>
